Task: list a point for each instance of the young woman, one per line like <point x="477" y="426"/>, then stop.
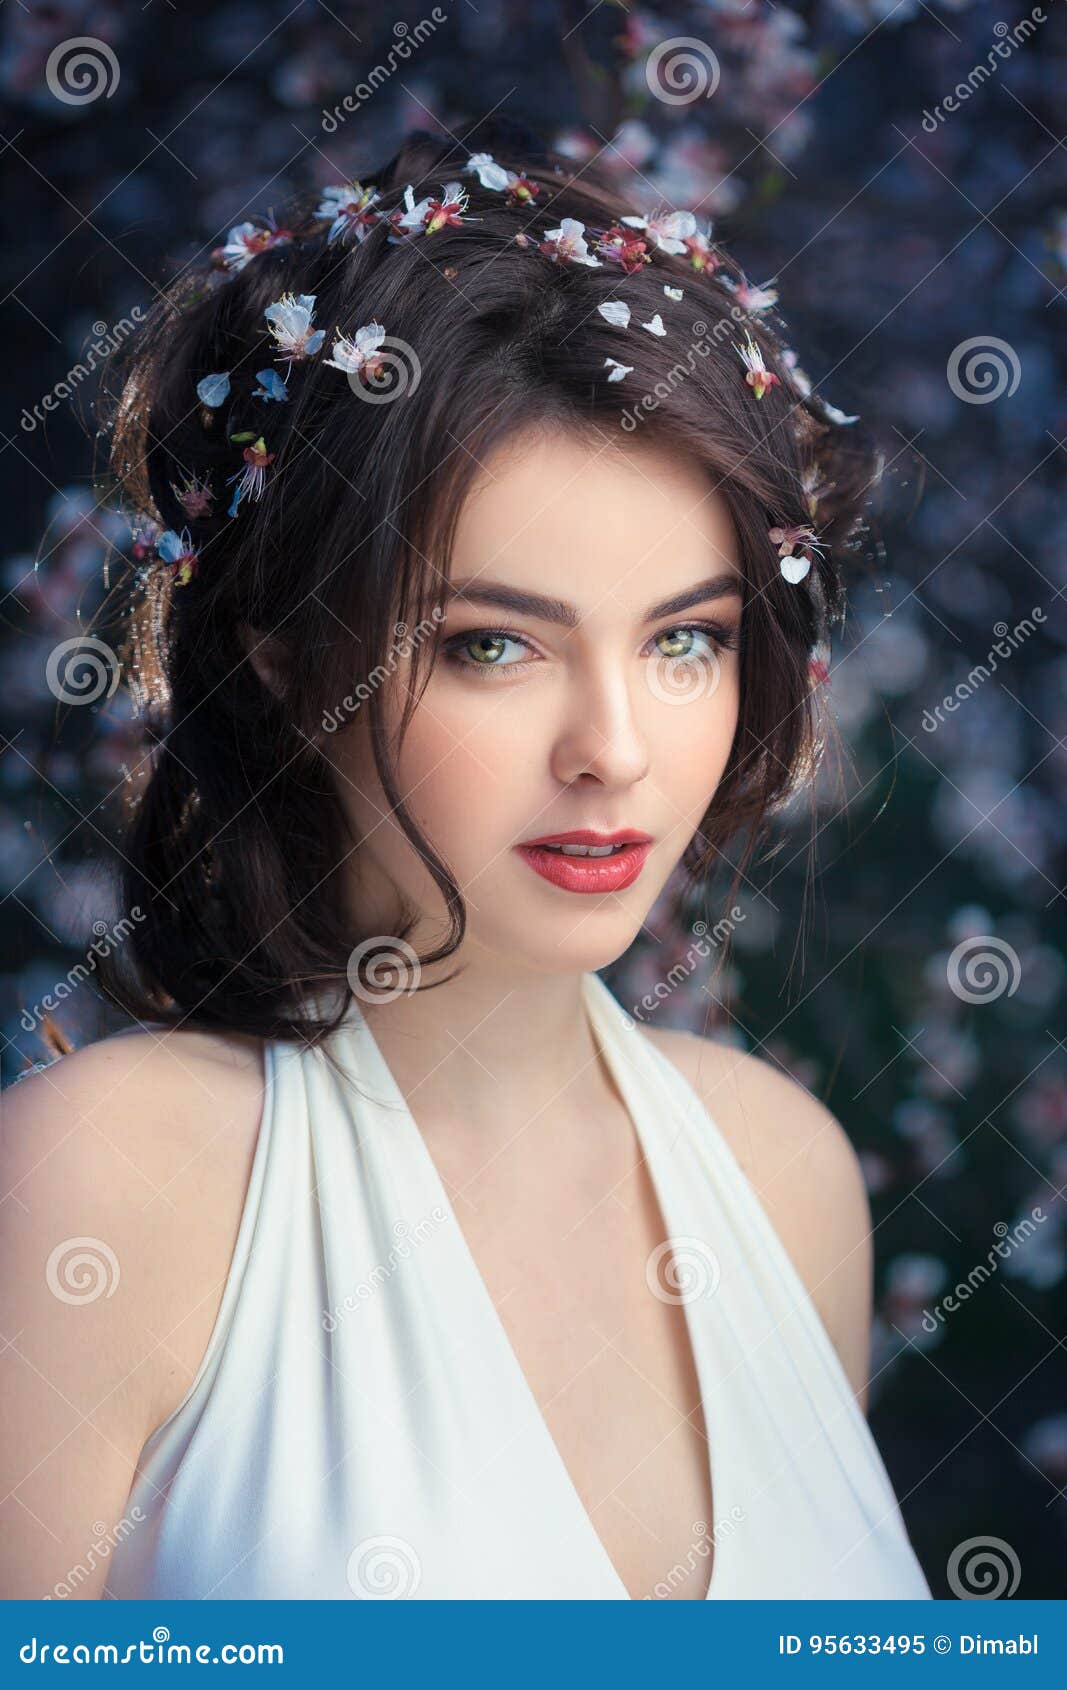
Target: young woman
<point x="489" y="533"/>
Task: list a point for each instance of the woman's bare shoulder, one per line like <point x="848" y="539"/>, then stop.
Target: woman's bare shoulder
<point x="805" y="1171"/>
<point x="142" y="1142"/>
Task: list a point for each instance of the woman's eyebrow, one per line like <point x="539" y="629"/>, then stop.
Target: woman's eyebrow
<point x="478" y="591"/>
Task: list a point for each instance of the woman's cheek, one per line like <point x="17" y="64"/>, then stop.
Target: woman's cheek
<point x="458" y="750"/>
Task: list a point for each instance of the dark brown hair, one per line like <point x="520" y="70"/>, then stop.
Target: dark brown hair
<point x="235" y="839"/>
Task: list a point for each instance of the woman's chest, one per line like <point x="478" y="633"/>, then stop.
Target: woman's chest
<point x="578" y="1269"/>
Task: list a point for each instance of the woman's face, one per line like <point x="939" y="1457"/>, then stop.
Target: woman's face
<point x="605" y="703"/>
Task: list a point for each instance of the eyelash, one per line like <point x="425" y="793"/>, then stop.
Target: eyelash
<point x="723" y="638"/>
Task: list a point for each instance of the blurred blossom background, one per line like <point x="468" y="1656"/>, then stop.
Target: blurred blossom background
<point x="897" y="173"/>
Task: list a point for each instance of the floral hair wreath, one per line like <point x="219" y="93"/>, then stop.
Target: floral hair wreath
<point x="349" y="207"/>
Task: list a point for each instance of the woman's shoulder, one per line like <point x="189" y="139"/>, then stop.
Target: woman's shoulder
<point x="806" y="1173"/>
<point x="127" y="1162"/>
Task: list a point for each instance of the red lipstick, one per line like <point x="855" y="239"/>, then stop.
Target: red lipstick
<point x="619" y="860"/>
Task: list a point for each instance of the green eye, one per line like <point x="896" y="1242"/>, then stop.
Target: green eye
<point x="484" y="648"/>
<point x="679" y="642"/>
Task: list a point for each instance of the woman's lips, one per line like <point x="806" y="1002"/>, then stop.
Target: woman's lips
<point x="588" y="874"/>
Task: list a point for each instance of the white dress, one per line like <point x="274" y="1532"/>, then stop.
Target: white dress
<point x="360" y="1426"/>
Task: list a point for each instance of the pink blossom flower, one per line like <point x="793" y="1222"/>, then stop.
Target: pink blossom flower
<point x="247" y="240"/>
<point x="794" y="564"/>
<point x="348" y="205"/>
<point x="628" y="250"/>
<point x="702" y="255"/>
<point x="753" y="298"/>
<point x="567" y="244"/>
<point x="289" y="320"/>
<point x="195" y="497"/>
<point x="521" y="191"/>
<point x="668" y="230"/>
<point x="759" y="378"/>
<point x="358" y="354"/>
<point x="489" y="173"/>
<point x="432" y="214"/>
<point x="251" y="479"/>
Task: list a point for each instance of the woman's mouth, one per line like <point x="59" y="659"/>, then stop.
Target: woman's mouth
<point x="586" y="861"/>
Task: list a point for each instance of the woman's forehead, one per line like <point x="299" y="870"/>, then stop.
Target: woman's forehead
<point x="566" y="500"/>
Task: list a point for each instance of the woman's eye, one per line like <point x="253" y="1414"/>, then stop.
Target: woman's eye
<point x="485" y="649"/>
<point x="689" y="644"/>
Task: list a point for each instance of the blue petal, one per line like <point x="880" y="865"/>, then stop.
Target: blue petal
<point x="213" y="389"/>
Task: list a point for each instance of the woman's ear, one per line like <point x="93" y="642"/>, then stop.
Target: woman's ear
<point x="268" y="657"/>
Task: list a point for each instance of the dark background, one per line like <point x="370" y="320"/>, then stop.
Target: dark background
<point x="891" y="245"/>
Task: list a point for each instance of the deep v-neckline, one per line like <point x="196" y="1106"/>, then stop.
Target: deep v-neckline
<point x="628" y="1091"/>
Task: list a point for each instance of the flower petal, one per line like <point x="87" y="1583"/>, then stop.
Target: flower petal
<point x="794" y="568"/>
<point x="213" y="389"/>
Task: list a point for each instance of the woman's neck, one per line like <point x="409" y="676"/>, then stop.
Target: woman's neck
<point x="489" y="1043"/>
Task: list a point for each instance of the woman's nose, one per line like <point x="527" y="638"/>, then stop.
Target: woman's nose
<point x="601" y="734"/>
